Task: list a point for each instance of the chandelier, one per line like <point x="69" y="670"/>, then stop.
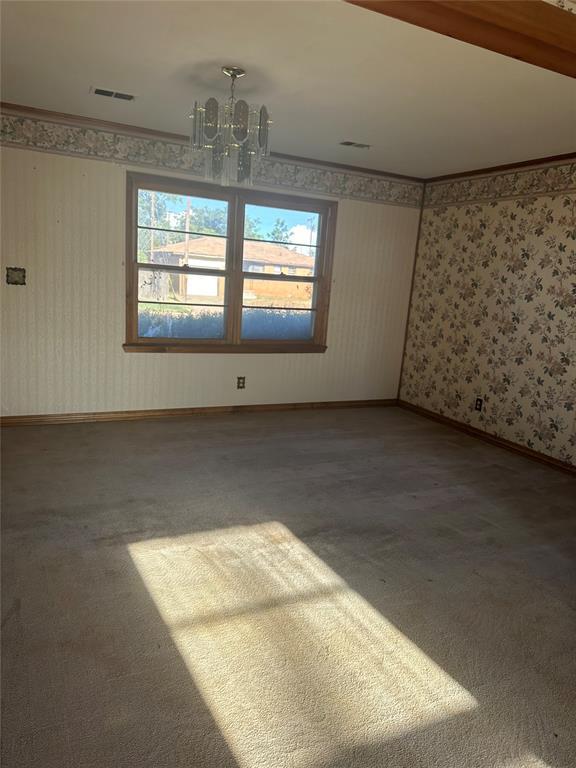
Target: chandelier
<point x="230" y="135"/>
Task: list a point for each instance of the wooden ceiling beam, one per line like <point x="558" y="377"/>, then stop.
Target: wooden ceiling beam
<point x="533" y="31"/>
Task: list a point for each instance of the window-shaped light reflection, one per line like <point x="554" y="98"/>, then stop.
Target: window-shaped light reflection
<point x="285" y="654"/>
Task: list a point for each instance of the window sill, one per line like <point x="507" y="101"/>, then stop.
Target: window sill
<point x="258" y="347"/>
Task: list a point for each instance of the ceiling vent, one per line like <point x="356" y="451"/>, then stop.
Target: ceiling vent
<point x="112" y="94"/>
<point x="355" y="144"/>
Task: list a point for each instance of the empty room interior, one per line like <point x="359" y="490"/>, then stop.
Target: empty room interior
<point x="288" y="384"/>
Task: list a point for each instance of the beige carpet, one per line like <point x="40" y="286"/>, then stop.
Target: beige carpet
<point x="296" y="668"/>
<point x="347" y="589"/>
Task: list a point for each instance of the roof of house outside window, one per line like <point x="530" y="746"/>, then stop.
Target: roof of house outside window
<point x="254" y="251"/>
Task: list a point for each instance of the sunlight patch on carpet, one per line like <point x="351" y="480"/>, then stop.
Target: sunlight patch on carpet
<point x="289" y="659"/>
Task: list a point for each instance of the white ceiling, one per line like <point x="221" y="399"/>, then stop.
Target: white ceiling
<point x="328" y="71"/>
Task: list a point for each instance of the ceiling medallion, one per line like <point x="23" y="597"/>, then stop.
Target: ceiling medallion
<point x="230" y="135"/>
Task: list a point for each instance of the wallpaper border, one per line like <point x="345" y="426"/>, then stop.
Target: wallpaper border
<point x="529" y="182"/>
<point x="132" y="148"/>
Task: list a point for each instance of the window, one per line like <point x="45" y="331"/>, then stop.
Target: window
<point x="217" y="269"/>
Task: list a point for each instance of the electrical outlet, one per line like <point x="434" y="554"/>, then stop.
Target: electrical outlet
<point x="241" y="382"/>
<point x="478" y="404"/>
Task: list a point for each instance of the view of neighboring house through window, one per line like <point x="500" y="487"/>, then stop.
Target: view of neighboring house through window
<point x="279" y="308"/>
<point x="226" y="268"/>
<point x="185" y="239"/>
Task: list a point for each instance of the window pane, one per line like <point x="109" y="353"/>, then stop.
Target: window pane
<point x="184" y="322"/>
<point x="192" y="214"/>
<point x="280" y="239"/>
<point x="286" y="324"/>
<point x="277" y="259"/>
<point x="282" y="225"/>
<point x="177" y="250"/>
<point x="277" y="293"/>
<point x="159" y="285"/>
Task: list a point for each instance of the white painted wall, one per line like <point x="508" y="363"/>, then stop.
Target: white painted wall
<point x="63" y="219"/>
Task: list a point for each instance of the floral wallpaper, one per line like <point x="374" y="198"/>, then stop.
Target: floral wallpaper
<point x="53" y="135"/>
<point x="493" y="309"/>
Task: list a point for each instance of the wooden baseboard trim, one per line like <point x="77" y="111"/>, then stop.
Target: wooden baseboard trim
<point x="174" y="413"/>
<point x="508" y="445"/>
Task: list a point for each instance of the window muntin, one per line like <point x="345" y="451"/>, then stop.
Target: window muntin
<point x="212" y="268"/>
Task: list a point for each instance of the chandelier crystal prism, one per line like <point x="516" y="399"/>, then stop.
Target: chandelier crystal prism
<point x="231" y="135"/>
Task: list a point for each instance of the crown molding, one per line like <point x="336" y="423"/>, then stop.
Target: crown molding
<point x="134" y="130"/>
<point x="7" y="107"/>
<point x="346" y="167"/>
<point x="76" y="136"/>
<point x="535" y="180"/>
<point x="79" y="136"/>
<point x="566" y="157"/>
